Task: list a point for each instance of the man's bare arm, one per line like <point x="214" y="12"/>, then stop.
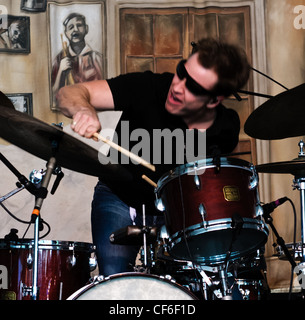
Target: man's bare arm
<point x="81" y="101"/>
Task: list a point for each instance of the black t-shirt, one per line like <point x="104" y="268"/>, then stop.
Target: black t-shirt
<point x="141" y="97"/>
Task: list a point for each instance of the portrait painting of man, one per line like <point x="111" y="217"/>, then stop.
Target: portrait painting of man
<point x="16" y="37"/>
<point x="76" y="41"/>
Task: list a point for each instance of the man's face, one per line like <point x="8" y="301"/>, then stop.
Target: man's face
<point x="180" y="100"/>
<point x="76" y="30"/>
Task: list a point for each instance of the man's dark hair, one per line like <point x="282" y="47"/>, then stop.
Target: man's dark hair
<point x="228" y="61"/>
<point x="74" y="15"/>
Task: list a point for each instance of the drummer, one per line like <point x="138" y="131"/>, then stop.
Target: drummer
<point x="189" y="99"/>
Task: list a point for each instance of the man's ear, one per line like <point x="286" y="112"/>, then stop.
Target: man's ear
<point x="214" y="102"/>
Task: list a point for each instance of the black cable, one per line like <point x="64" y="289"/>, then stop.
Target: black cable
<point x="294" y="246"/>
<point x="13" y="216"/>
<point x="26" y="222"/>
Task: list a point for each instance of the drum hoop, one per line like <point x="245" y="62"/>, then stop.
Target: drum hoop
<point x="197" y="166"/>
<point x="218" y="225"/>
<point x="48" y="245"/>
<point x="248" y="282"/>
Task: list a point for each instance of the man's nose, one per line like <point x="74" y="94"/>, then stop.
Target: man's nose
<point x="179" y="85"/>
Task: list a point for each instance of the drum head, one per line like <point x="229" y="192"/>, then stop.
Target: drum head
<point x="133" y="286"/>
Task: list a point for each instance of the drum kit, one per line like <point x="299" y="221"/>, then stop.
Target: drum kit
<point x="211" y="246"/>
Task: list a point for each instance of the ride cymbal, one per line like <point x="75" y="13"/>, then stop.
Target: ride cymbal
<point x="295" y="167"/>
<point x="280" y="117"/>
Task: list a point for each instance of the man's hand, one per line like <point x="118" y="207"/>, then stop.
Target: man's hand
<point x="86" y="123"/>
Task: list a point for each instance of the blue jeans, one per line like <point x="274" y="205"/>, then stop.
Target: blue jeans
<point x="109" y="214"/>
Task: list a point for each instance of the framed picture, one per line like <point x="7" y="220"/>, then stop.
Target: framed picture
<point x="33" y="5"/>
<point x="16" y="37"/>
<point x="76" y="44"/>
<point x="22" y="102"/>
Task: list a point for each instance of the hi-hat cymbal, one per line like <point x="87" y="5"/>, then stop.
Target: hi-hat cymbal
<point x="280" y="117"/>
<point x="295" y="167"/>
<point x="37" y="138"/>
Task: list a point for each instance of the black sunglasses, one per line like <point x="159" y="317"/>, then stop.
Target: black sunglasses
<point x="193" y="86"/>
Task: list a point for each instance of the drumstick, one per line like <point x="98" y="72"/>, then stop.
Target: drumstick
<point x="149" y="180"/>
<point x="125" y="152"/>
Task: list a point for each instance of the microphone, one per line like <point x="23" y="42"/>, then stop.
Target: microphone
<point x="269" y="207"/>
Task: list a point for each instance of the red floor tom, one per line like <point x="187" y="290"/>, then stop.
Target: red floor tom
<point x="63" y="267"/>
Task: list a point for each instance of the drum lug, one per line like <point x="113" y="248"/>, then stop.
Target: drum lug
<point x="71" y="262"/>
<point x="97" y="279"/>
<point x="254" y="179"/>
<point x="159" y="204"/>
<point x="259" y="210"/>
<point x="29" y="261"/>
<point x="197" y="182"/>
<point x="203" y="214"/>
<point x="92" y="264"/>
<point x="168" y="277"/>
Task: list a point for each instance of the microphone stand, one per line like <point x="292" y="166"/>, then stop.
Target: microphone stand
<point x="279" y="240"/>
<point x="35" y="218"/>
<point x="22" y="179"/>
<point x="40" y="194"/>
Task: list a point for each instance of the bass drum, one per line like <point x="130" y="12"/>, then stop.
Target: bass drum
<point x="133" y="286"/>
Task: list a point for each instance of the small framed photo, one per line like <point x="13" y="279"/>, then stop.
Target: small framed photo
<point x="22" y="102"/>
<point x="16" y="37"/>
<point x="33" y="5"/>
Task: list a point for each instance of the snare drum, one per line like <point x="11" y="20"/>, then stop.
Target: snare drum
<point x="199" y="201"/>
<point x="133" y="286"/>
<point x="63" y="268"/>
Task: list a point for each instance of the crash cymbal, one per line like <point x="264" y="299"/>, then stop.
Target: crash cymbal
<point x="280" y="117"/>
<point x="37" y="138"/>
<point x="295" y="167"/>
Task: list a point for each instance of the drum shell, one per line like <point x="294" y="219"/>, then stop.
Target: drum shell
<point x="63" y="267"/>
<point x="211" y="195"/>
<point x="199" y="202"/>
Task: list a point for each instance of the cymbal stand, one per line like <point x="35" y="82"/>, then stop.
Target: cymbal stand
<point x="144" y="237"/>
<point x="35" y="218"/>
<point x="299" y="183"/>
<point x="280" y="241"/>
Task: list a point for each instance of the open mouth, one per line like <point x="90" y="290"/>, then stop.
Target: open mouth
<point x="75" y="35"/>
<point x="174" y="98"/>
